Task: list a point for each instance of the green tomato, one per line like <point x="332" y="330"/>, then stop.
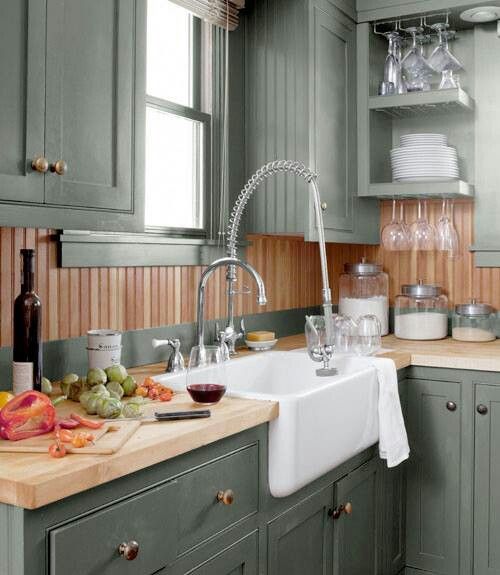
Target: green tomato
<point x="132" y="410"/>
<point x="129" y="385"/>
<point x="137" y="399"/>
<point x="100" y="389"/>
<point x="46" y="386"/>
<point x="115" y="388"/>
<point x="66" y="382"/>
<point x="84" y="398"/>
<point x="116" y="373"/>
<point x="91" y="406"/>
<point x="96" y="376"/>
<point x="109" y="408"/>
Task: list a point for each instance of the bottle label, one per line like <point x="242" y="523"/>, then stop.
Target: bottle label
<point x="22" y="376"/>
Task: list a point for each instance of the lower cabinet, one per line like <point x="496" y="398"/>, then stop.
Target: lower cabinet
<point x="433" y="476"/>
<point x="301" y="539"/>
<point x="487" y="480"/>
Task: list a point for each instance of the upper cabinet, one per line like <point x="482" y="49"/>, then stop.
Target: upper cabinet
<point x="300" y="60"/>
<point x="71" y="120"/>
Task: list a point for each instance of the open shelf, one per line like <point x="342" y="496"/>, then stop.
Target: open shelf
<point x="453" y="189"/>
<point x="417" y="103"/>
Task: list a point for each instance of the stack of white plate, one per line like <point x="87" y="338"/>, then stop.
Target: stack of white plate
<point x="424" y="158"/>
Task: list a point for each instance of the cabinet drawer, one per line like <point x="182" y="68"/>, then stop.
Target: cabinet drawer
<point x="89" y="546"/>
<point x="201" y="514"/>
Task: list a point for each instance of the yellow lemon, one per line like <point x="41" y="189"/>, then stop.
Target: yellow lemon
<point x="5" y="397"/>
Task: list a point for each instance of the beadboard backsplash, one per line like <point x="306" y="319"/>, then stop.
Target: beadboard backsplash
<point x="76" y="300"/>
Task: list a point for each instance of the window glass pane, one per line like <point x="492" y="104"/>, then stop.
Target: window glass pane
<point x="174" y="152"/>
<point x="169" y="52"/>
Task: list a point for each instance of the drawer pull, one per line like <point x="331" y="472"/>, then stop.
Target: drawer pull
<point x="324" y="206"/>
<point x="129" y="550"/>
<point x="337" y="512"/>
<point x="451" y="406"/>
<point x="226" y="497"/>
<point x="482" y="409"/>
<point x="40" y="164"/>
<point x="60" y="167"/>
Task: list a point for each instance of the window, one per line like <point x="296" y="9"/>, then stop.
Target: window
<point x="177" y="131"/>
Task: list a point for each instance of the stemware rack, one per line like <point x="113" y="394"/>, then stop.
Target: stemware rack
<point x="383" y="119"/>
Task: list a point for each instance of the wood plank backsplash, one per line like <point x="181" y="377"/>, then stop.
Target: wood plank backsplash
<point x="76" y="300"/>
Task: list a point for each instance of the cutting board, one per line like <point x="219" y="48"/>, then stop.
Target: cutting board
<point x="108" y="439"/>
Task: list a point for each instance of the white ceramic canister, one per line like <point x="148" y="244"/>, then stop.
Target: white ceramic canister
<point x="104" y="348"/>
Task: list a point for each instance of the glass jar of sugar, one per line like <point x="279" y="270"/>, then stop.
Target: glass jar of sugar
<point x="473" y="322"/>
<point x="421" y="312"/>
<point x="364" y="290"/>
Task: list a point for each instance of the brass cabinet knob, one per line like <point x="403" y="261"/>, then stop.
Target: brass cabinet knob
<point x="60" y="167"/>
<point x="324" y="205"/>
<point x="482" y="409"/>
<point x="343" y="508"/>
<point x="129" y="550"/>
<point x="226" y="497"/>
<point x="451" y="406"/>
<point x="40" y="164"/>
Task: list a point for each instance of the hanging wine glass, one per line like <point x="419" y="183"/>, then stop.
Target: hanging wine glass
<point x="422" y="232"/>
<point x="394" y="236"/>
<point x="441" y="58"/>
<point x="416" y="69"/>
<point x="393" y="80"/>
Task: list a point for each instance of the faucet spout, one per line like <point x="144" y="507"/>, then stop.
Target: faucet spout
<point x="232" y="263"/>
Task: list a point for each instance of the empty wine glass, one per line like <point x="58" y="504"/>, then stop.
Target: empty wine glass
<point x="447" y="80"/>
<point x="404" y="226"/>
<point x="393" y="79"/>
<point x="417" y="71"/>
<point x="206" y="374"/>
<point x="394" y="236"/>
<point x="441" y="58"/>
<point x="447" y="235"/>
<point x="422" y="232"/>
<point x="368" y="341"/>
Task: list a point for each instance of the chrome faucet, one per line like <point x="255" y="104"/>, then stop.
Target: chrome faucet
<point x="259" y="177"/>
<point x="176" y="361"/>
<point x="223" y="262"/>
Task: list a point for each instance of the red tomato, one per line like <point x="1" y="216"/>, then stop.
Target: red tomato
<point x="57" y="450"/>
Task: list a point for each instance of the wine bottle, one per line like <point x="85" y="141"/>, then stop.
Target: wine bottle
<point x="27" y="351"/>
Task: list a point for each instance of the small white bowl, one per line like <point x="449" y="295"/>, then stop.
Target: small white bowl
<point x="261" y="345"/>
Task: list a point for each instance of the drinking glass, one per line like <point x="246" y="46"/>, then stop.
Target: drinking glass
<point x="392" y="66"/>
<point x="441" y="58"/>
<point x="346" y="334"/>
<point x="315" y="331"/>
<point x="447" y="235"/>
<point x="206" y="374"/>
<point x="394" y="236"/>
<point x="422" y="232"/>
<point x="369" y="341"/>
<point x="447" y="80"/>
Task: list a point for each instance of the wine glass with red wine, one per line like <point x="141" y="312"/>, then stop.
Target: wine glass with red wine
<point x="206" y="374"/>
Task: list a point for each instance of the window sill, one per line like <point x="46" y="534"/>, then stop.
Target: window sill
<point x="91" y="249"/>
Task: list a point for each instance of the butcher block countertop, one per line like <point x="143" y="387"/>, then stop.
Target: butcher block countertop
<point x="32" y="480"/>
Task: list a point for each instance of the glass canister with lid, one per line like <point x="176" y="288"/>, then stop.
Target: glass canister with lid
<point x="421" y="312"/>
<point x="474" y="321"/>
<point x="364" y="290"/>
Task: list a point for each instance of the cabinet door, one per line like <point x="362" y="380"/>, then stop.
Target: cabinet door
<point x="239" y="559"/>
<point x="487" y="482"/>
<point x="300" y="540"/>
<point x="22" y="98"/>
<point x="433" y="476"/>
<point x="358" y="521"/>
<point x="333" y="131"/>
<point x="89" y="102"/>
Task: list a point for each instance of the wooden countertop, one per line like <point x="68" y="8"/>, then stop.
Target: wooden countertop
<point x="34" y="480"/>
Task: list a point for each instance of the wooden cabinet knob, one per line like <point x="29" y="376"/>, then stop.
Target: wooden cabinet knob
<point x="40" y="164"/>
<point x="60" y="167"/>
<point x="129" y="550"/>
<point x="226" y="497"/>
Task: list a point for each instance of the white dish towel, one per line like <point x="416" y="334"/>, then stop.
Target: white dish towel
<point x="393" y="441"/>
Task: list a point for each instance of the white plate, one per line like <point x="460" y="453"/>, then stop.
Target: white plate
<point x="426" y="179"/>
<point x="261" y="345"/>
<point x="419" y="137"/>
<point x="418" y="152"/>
<point x="442" y="171"/>
<point x="423" y="164"/>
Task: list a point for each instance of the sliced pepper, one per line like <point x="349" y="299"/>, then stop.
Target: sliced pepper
<point x="27" y="415"/>
<point x="90" y="423"/>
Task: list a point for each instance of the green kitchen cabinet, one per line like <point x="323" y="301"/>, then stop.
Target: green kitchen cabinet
<point x="301" y="539"/>
<point x="72" y="76"/>
<point x="368" y="10"/>
<point x="433" y="476"/>
<point x="487" y="480"/>
<point x="358" y="521"/>
<point x="300" y="70"/>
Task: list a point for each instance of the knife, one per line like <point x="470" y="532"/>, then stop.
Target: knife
<point x="169" y="416"/>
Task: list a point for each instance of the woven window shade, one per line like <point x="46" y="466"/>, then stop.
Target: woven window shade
<point x="219" y="12"/>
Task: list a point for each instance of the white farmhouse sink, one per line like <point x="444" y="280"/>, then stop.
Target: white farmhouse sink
<point x="323" y="421"/>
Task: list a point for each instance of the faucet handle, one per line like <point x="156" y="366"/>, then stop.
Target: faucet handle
<point x="176" y="360"/>
<point x="221" y="338"/>
<point x="243" y="332"/>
